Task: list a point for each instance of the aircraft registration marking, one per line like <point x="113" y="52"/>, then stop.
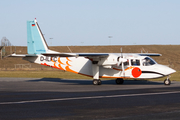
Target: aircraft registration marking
<point x="48" y="59"/>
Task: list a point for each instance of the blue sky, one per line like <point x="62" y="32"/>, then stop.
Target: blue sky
<point x="91" y="22"/>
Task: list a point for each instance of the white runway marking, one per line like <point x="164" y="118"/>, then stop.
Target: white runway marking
<point x="92" y="97"/>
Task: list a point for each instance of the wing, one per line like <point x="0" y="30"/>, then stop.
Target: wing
<point x="149" y="54"/>
<point x="88" y="55"/>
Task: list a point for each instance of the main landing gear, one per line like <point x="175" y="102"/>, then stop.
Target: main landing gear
<point x="95" y="71"/>
<point x="97" y="82"/>
<point x="119" y="81"/>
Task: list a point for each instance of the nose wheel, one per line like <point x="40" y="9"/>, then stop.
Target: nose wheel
<point x="167" y="81"/>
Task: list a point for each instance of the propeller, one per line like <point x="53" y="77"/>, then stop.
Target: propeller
<point x="121" y="60"/>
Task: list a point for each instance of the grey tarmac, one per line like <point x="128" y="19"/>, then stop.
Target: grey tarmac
<point x="54" y="98"/>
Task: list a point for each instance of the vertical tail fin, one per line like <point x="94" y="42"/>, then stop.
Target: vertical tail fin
<point x="36" y="43"/>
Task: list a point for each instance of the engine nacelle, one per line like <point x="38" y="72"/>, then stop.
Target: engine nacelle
<point x="111" y="60"/>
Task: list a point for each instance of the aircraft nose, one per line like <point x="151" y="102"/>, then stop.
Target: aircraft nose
<point x="165" y="70"/>
<point x="169" y="71"/>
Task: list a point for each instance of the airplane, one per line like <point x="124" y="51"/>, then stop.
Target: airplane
<point x="95" y="65"/>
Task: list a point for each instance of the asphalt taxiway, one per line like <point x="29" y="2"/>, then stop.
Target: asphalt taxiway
<point x="48" y="98"/>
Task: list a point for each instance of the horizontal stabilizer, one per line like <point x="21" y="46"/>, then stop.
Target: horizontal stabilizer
<point x="22" y="55"/>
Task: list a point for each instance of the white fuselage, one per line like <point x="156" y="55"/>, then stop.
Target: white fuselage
<point x="135" y="67"/>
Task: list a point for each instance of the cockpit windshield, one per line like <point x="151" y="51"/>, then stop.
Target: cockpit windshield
<point x="148" y="61"/>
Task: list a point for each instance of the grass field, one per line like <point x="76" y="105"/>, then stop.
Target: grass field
<point x="63" y="75"/>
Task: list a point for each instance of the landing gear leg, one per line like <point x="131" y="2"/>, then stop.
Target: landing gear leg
<point x="96" y="80"/>
<point x="119" y="81"/>
<point x="167" y="81"/>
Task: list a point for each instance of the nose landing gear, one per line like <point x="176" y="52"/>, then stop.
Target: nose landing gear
<point x="167" y="81"/>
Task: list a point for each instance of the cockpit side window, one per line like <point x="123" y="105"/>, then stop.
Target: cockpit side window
<point x="135" y="62"/>
<point x="148" y="61"/>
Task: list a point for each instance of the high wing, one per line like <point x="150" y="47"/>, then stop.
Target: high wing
<point x="77" y="54"/>
<point x="88" y="55"/>
<point x="150" y="54"/>
<point x="96" y="54"/>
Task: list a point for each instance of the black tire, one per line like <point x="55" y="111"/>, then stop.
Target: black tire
<point x="99" y="82"/>
<point x="95" y="82"/>
<point x="167" y="82"/>
<point x="119" y="81"/>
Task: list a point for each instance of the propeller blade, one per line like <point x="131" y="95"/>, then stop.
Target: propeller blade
<point x="121" y="60"/>
<point x="123" y="69"/>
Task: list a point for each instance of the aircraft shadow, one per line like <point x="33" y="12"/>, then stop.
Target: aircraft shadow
<point x="89" y="82"/>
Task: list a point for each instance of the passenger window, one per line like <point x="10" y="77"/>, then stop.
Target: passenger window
<point x="135" y="62"/>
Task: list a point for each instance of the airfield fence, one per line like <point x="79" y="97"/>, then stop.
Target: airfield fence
<point x="27" y="68"/>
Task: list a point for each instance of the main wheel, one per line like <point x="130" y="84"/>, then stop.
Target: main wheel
<point x="119" y="81"/>
<point x="167" y="82"/>
<point x="97" y="82"/>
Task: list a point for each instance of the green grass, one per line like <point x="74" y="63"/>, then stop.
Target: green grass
<point x="174" y="77"/>
<point x="42" y="74"/>
<point x="63" y="75"/>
